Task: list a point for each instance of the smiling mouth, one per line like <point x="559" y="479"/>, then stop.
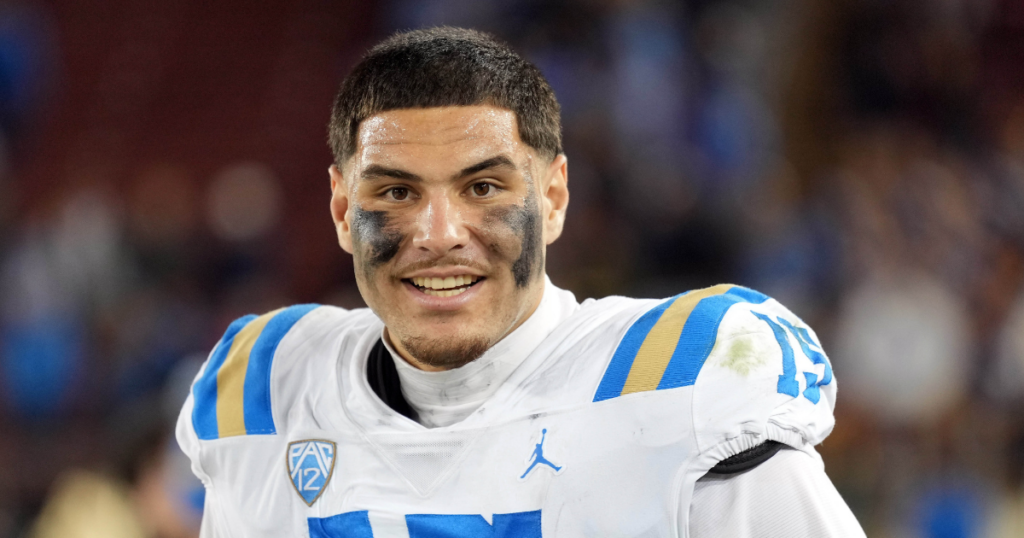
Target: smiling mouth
<point x="444" y="287"/>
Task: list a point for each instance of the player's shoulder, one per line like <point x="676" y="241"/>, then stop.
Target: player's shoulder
<point x="616" y="346"/>
<point x="264" y="361"/>
<point x="663" y="343"/>
<point x="753" y="365"/>
<point x="764" y="376"/>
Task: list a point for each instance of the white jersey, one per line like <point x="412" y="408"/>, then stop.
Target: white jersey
<point x="603" y="430"/>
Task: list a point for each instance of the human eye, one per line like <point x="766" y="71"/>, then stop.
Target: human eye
<point x="483" y="189"/>
<point x="397" y="194"/>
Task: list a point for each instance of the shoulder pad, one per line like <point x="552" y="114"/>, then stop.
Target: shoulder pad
<point x="766" y="378"/>
<point x="667" y="346"/>
<point x="232" y="396"/>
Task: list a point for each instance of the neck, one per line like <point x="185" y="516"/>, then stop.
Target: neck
<point x="442" y="398"/>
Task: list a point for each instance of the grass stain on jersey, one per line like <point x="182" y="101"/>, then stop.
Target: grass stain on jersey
<point x="740" y="357"/>
<point x="371" y="228"/>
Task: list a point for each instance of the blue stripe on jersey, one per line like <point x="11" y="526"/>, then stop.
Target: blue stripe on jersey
<point x="347" y="525"/>
<point x="204" y="391"/>
<point x="748" y="295"/>
<point x="514" y="525"/>
<point x="258" y="414"/>
<point x="699" y="335"/>
<point x="695" y="343"/>
<point x="622" y="361"/>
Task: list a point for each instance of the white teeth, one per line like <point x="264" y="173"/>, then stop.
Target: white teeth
<point x="444" y="293"/>
<point x="443" y="287"/>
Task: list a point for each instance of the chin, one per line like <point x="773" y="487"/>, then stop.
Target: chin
<point x="446" y="352"/>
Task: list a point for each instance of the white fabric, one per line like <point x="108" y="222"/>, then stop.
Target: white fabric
<point x="444" y="398"/>
<point x="624" y="464"/>
<point x="788" y="496"/>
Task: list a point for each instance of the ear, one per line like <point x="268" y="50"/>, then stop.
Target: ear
<point x="339" y="208"/>
<point x="555" y="198"/>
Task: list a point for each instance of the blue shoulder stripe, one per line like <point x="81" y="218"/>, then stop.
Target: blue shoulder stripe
<point x="699" y="336"/>
<point x="258" y="414"/>
<point x="622" y="361"/>
<point x="204" y="391"/>
<point x="667" y="346"/>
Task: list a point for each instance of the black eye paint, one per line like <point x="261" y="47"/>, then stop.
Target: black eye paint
<point x="525" y="222"/>
<point x="371" y="228"/>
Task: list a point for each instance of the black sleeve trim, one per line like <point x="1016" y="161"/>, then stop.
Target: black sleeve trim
<point x="748" y="459"/>
<point x="382" y="375"/>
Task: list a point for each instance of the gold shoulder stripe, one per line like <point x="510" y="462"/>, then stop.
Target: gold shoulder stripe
<point x="231" y="378"/>
<point x="656" y="351"/>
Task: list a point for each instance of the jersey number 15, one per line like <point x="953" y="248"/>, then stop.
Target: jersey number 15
<point x="788" y="383"/>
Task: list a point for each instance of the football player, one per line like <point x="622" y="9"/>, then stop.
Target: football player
<point x="474" y="397"/>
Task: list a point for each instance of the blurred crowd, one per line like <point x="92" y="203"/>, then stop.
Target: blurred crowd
<point x="163" y="170"/>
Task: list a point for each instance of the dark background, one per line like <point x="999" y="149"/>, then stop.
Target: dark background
<point x="163" y="170"/>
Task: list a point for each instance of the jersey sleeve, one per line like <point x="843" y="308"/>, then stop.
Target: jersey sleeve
<point x="189" y="443"/>
<point x="228" y="424"/>
<point x="765" y="377"/>
<point x="787" y="496"/>
<point x="187" y="439"/>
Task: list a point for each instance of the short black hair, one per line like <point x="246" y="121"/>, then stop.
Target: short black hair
<point x="440" y="67"/>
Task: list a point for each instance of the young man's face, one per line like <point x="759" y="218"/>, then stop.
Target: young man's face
<point x="447" y="214"/>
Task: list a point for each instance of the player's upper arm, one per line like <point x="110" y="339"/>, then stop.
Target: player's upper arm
<point x="185" y="433"/>
<point x="189" y="443"/>
<point x="197" y="418"/>
<point x="765" y="378"/>
<point x="788" y="496"/>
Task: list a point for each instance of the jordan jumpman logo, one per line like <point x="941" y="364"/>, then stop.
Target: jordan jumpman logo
<point x="538" y="456"/>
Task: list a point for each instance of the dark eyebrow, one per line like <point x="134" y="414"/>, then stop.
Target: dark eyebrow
<point x="499" y="161"/>
<point x="375" y="171"/>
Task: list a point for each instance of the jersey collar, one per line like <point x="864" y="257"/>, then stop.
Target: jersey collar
<point x="447" y="397"/>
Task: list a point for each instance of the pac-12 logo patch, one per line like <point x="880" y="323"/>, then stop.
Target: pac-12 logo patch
<point x="310" y="465"/>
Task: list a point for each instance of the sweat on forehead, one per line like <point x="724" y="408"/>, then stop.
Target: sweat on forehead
<point x="472" y="125"/>
<point x="438" y="143"/>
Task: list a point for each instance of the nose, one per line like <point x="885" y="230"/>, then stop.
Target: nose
<point x="440" y="226"/>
